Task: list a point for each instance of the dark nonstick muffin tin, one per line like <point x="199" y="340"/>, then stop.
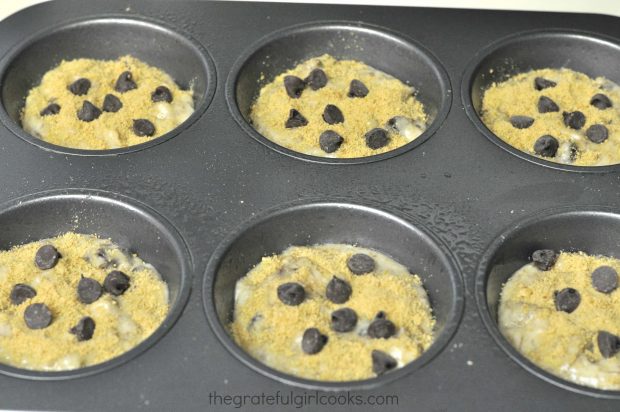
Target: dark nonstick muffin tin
<point x="206" y="201"/>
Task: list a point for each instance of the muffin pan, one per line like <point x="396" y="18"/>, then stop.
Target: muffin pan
<point x="181" y="200"/>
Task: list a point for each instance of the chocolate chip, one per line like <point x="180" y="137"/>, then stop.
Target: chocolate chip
<point x="332" y="114"/>
<point x="357" y="89"/>
<point x="316" y="79"/>
<point x="394" y="122"/>
<point x="382" y="362"/>
<point x="111" y="103"/>
<point x="542" y="83"/>
<point x="21" y="293"/>
<point x="376" y="138"/>
<point x="80" y="87"/>
<point x="608" y="344"/>
<point x="84" y="329"/>
<point x="597" y="133"/>
<point x="50" y="110"/>
<point x="338" y="290"/>
<point x="546" y="146"/>
<point x="360" y="264"/>
<point x="381" y="328"/>
<point x="546" y="105"/>
<point x="295" y="119"/>
<point x="567" y="300"/>
<point x="101" y="252"/>
<point x="381" y="315"/>
<point x="46" y="257"/>
<point x="313" y="341"/>
<point x="330" y="141"/>
<point x="161" y="94"/>
<point x="291" y="293"/>
<point x="89" y="290"/>
<point x="600" y="101"/>
<point x="521" y="122"/>
<point x="88" y="112"/>
<point x="37" y="316"/>
<point x="574" y="120"/>
<point x="605" y="279"/>
<point x="143" y="127"/>
<point x="116" y="283"/>
<point x="106" y="261"/>
<point x="544" y="259"/>
<point x="294" y="86"/>
<point x="256" y="318"/>
<point x="343" y="320"/>
<point x="125" y="82"/>
<point x="573" y="152"/>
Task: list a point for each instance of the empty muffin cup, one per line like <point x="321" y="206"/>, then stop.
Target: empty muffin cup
<point x="320" y="223"/>
<point x="591" y="54"/>
<point x="593" y="231"/>
<point x="129" y="224"/>
<point x="105" y="38"/>
<point x="389" y="52"/>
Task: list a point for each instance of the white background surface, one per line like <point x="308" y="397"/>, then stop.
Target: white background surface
<point x="7" y="7"/>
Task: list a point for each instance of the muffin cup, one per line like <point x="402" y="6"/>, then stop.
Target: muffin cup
<point x="128" y="223"/>
<point x="380" y="48"/>
<point x="589" y="53"/>
<point x="593" y="230"/>
<point x="104" y="38"/>
<point x="318" y="223"/>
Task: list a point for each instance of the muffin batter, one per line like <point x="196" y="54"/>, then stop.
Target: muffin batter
<point x="75" y="301"/>
<point x="559" y="115"/>
<point x="332" y="312"/>
<point x="338" y="108"/>
<point x="97" y="104"/>
<point x="562" y="312"/>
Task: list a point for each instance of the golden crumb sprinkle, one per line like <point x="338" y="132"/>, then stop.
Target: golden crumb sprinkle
<point x="568" y="92"/>
<point x="554" y="318"/>
<point x="272" y="331"/>
<point x="387" y="98"/>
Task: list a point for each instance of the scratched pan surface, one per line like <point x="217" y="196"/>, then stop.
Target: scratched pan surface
<point x="470" y="208"/>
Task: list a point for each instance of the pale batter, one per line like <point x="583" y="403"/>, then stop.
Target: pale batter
<point x="557" y="114"/>
<point x="75" y="301"/>
<point x="338" y="108"/>
<point x="105" y="104"/>
<point x="566" y="319"/>
<point x="332" y="312"/>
